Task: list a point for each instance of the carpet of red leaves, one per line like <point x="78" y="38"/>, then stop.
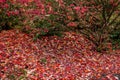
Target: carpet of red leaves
<point x="71" y="57"/>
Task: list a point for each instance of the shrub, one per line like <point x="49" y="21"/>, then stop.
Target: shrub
<point x="97" y="19"/>
<point x="48" y="27"/>
<point x="52" y="22"/>
<point x="9" y="15"/>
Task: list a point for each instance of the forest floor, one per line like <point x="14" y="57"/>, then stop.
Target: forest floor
<point x="71" y="57"/>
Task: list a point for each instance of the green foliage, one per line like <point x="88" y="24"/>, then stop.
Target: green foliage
<point x="43" y="60"/>
<point x="11" y="77"/>
<point x="48" y="27"/>
<point x="22" y="78"/>
<point x="115" y="38"/>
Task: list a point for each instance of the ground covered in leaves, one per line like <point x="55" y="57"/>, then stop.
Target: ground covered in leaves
<point x="71" y="57"/>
